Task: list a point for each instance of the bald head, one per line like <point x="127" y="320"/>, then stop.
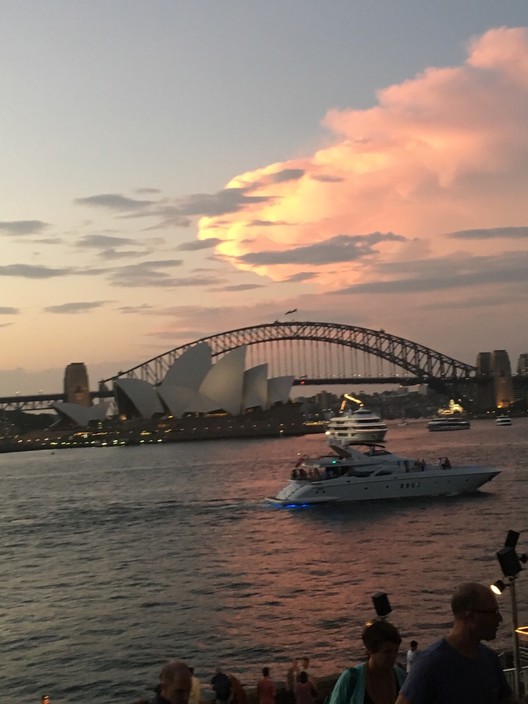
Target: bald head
<point x="476" y="613"/>
<point x="469" y="596"/>
<point x="176" y="682"/>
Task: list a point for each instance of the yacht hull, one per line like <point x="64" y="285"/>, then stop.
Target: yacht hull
<point x="398" y="485"/>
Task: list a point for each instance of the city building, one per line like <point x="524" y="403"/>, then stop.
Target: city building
<point x="522" y="364"/>
<point x="496" y="384"/>
<point x="76" y="385"/>
<point x="502" y="377"/>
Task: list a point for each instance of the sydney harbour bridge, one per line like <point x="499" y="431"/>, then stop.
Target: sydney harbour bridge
<point x="313" y="353"/>
<point x="316" y="353"/>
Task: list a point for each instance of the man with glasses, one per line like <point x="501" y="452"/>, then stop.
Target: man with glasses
<point x="459" y="669"/>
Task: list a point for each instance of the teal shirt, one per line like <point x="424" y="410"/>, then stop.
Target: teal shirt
<point x="350" y="687"/>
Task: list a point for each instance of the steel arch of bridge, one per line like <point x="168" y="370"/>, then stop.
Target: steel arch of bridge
<point x="416" y="360"/>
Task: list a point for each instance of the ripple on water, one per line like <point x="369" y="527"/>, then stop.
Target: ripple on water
<point x="117" y="560"/>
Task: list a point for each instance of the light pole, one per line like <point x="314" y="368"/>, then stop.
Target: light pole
<point x="498" y="587"/>
<point x="510" y="564"/>
<point x="381" y="604"/>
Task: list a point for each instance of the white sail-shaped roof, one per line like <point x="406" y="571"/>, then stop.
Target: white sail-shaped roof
<point x="279" y="388"/>
<point x="100" y="410"/>
<point x="184" y="378"/>
<point x="175" y="398"/>
<point x="190" y="369"/>
<point x="255" y="387"/>
<point x="200" y="403"/>
<point x="223" y="384"/>
<point x="81" y="415"/>
<point x="141" y="395"/>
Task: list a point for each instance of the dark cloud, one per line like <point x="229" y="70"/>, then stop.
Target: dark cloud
<point x="126" y="254"/>
<point x="195" y="245"/>
<point x="341" y="248"/>
<point x="22" y="227"/>
<point x="491" y="233"/>
<point x="229" y="200"/>
<point x="326" y="178"/>
<point x="239" y="287"/>
<point x="268" y="223"/>
<point x="287" y="175"/>
<point x="145" y="274"/>
<point x="98" y="241"/>
<point x="301" y="276"/>
<point x="114" y="201"/>
<point x="143" y="308"/>
<point x="148" y="190"/>
<point x="447" y="273"/>
<point x="75" y="307"/>
<point x="169" y="218"/>
<point x="7" y="310"/>
<point x="198" y="281"/>
<point x="490" y="301"/>
<point x="48" y="240"/>
<point x="28" y="271"/>
<point x="181" y="211"/>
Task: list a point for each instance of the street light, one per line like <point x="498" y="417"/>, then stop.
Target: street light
<point x="499" y="586"/>
<point x="381" y="604"/>
<point x="510" y="564"/>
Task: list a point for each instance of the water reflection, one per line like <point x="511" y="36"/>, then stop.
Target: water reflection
<point x="119" y="559"/>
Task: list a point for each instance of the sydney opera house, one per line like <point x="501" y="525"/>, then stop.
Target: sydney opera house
<point x="193" y="386"/>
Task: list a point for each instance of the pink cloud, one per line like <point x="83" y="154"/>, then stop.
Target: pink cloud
<point x="443" y="151"/>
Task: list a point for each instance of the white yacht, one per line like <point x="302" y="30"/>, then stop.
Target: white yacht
<point x="503" y="420"/>
<point x="374" y="473"/>
<point x="448" y="423"/>
<point x="360" y="426"/>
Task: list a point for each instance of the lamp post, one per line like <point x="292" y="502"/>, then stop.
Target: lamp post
<point x="381" y="604"/>
<point x="510" y="564"/>
<point x="498" y="587"/>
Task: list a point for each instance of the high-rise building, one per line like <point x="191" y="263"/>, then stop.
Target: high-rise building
<point x="502" y="376"/>
<point x="484" y="363"/>
<point x="76" y="386"/>
<point x="486" y="385"/>
<point x="522" y="364"/>
<point x="495" y="380"/>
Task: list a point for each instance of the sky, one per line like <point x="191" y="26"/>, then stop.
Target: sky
<point x="172" y="170"/>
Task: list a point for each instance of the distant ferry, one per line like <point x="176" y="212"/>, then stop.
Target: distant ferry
<point x="503" y="420"/>
<point x="448" y="423"/>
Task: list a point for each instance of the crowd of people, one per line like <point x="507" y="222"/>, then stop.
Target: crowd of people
<point x="456" y="669"/>
<point x="179" y="685"/>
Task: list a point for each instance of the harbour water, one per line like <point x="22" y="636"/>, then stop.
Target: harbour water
<point x="116" y="560"/>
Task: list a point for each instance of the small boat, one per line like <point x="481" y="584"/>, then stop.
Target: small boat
<point x="360" y="426"/>
<point x="373" y="473"/>
<point x="448" y="423"/>
<point x="503" y="420"/>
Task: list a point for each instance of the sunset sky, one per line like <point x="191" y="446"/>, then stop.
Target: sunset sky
<point x="172" y="170"/>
